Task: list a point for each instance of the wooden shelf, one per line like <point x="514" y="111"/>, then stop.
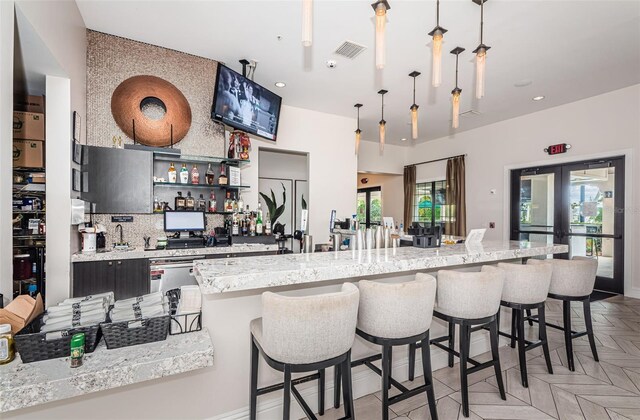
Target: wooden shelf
<point x="206" y="186"/>
<point x="198" y="159"/>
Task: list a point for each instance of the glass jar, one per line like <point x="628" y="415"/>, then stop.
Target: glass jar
<point x="7" y="346"/>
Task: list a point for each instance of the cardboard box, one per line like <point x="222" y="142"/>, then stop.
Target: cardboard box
<point x="28" y="103"/>
<point x="28" y="153"/>
<point x="21" y="311"/>
<point x="37" y="178"/>
<point x="28" y="125"/>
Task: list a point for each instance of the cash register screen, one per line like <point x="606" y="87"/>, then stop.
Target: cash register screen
<point x="183" y="221"/>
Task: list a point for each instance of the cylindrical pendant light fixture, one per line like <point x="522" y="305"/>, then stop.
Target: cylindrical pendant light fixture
<point x="380" y="7"/>
<point x="481" y="54"/>
<point x="307" y="22"/>
<point x="382" y="125"/>
<point x="414" y="108"/>
<point x="437" y="35"/>
<point x="358" y="131"/>
<point x="455" y="94"/>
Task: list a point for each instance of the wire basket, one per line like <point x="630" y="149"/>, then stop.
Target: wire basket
<point x="131" y="333"/>
<point x="182" y="323"/>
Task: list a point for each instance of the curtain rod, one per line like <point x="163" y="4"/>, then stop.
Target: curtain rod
<point x="435" y="160"/>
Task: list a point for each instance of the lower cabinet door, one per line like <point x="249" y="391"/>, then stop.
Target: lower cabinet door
<point x="131" y="278"/>
<point x="93" y="277"/>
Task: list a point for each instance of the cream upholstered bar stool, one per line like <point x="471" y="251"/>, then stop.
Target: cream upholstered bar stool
<point x="395" y="314"/>
<point x="572" y="280"/>
<point x="525" y="288"/>
<point x="471" y="300"/>
<point x="304" y="334"/>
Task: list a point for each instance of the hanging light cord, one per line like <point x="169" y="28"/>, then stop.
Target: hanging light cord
<point x="437" y="13"/>
<point x="358" y="118"/>
<point x="414" y="90"/>
<point x="457" y="54"/>
<point x="382" y="106"/>
<point x="481" y="19"/>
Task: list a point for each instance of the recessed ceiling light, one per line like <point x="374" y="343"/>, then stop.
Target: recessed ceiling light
<point x="403" y="139"/>
<point x="281" y="84"/>
<point x="538" y="98"/>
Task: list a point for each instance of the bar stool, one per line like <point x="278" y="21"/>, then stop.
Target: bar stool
<point x="471" y="300"/>
<point x="526" y="288"/>
<point x="395" y="314"/>
<point x="304" y="334"/>
<point x="572" y="280"/>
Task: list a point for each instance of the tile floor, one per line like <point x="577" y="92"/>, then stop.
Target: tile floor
<point x="606" y="390"/>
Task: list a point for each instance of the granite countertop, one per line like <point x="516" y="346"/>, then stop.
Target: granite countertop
<point x="164" y="253"/>
<point x="235" y="274"/>
<point x="27" y="384"/>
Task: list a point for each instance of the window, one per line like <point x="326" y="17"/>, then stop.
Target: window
<point x="429" y="204"/>
<point x="370" y="206"/>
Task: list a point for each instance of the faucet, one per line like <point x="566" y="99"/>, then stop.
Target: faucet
<point x="121" y="243"/>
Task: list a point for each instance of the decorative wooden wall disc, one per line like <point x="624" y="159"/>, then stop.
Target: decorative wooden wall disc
<point x="155" y="105"/>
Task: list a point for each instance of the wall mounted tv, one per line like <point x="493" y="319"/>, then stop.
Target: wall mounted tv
<point x="245" y="105"/>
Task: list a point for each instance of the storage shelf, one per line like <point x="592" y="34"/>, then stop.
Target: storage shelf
<point x="198" y="159"/>
<point x="187" y="186"/>
<point x="23" y="169"/>
<point x="29" y="211"/>
<point x="206" y="212"/>
<point x="23" y="237"/>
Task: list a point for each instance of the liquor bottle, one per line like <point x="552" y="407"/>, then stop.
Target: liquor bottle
<point x="252" y="225"/>
<point x="267" y="225"/>
<point x="212" y="203"/>
<point x="195" y="175"/>
<point x="190" y="202"/>
<point x="172" y="174"/>
<point x="210" y="176"/>
<point x="259" y="221"/>
<point x="184" y="174"/>
<point x="180" y="202"/>
<point x="244" y="228"/>
<point x="228" y="203"/>
<point x="202" y="204"/>
<point x="222" y="179"/>
<point x="240" y="202"/>
<point x="156" y="205"/>
<point x="235" y="228"/>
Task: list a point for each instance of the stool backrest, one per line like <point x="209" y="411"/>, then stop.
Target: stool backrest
<point x="525" y="283"/>
<point x="470" y="295"/>
<point x="309" y="329"/>
<point x="575" y="277"/>
<point x="397" y="310"/>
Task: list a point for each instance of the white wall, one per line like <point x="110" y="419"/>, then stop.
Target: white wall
<point x="332" y="173"/>
<point x="604" y="125"/>
<point x="61" y="28"/>
<point x="391" y="161"/>
<point x="6" y="149"/>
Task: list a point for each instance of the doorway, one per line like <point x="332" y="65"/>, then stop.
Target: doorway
<point x="578" y="204"/>
<point x="370" y="206"/>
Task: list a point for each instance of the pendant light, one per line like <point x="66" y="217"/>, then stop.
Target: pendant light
<point x="437" y="35"/>
<point x="307" y="22"/>
<point x="358" y="131"/>
<point x="481" y="54"/>
<point x="380" y="7"/>
<point x="414" y="108"/>
<point x="383" y="123"/>
<point x="455" y="93"/>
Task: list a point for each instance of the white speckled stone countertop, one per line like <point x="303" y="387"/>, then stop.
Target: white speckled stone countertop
<point x="236" y="274"/>
<point x="27" y="384"/>
<point x="165" y="253"/>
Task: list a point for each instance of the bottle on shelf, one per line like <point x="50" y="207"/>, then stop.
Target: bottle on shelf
<point x="244" y="217"/>
<point x="190" y="202"/>
<point x="202" y="203"/>
<point x="259" y="226"/>
<point x="252" y="225"/>
<point x="180" y="202"/>
<point x="210" y="176"/>
<point x="195" y="175"/>
<point x="229" y="203"/>
<point x="184" y="174"/>
<point x="235" y="227"/>
<point x="222" y="179"/>
<point x="267" y="225"/>
<point x="239" y="201"/>
<point x="172" y="174"/>
<point x="157" y="208"/>
<point x="213" y="205"/>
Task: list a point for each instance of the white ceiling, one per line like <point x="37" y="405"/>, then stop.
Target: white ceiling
<point x="569" y="50"/>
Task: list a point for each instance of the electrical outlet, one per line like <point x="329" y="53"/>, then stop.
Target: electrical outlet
<point x="492" y="225"/>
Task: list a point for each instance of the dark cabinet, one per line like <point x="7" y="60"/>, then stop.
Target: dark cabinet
<point x="126" y="278"/>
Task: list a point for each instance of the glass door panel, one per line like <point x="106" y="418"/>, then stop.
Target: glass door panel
<point x="369" y="209"/>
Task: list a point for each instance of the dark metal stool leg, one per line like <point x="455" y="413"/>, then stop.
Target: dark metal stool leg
<point x="386" y="384"/>
<point x="514" y="320"/>
<point x="529" y="316"/>
<point x="543" y="337"/>
<point x="412" y="360"/>
<point x="336" y="385"/>
<point x="452" y="341"/>
<point x="521" y="348"/>
<point x="254" y="381"/>
<point x="493" y="334"/>
<point x="390" y="364"/>
<point x="464" y="355"/>
<point x="321" y="392"/>
<point x="428" y="379"/>
<point x="286" y="405"/>
<point x="587" y="320"/>
<point x="349" y="412"/>
<point x="566" y="317"/>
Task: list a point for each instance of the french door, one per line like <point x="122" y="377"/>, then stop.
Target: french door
<point x="370" y="206"/>
<point x="577" y="204"/>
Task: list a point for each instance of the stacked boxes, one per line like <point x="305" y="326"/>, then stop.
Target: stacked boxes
<point x="28" y="132"/>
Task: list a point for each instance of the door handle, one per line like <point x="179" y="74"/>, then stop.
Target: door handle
<point x="119" y="262"/>
<point x="110" y="263"/>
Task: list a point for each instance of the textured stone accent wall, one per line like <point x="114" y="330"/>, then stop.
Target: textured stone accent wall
<point x="110" y="61"/>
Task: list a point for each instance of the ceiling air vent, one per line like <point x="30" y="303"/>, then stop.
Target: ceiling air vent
<point x="349" y="49"/>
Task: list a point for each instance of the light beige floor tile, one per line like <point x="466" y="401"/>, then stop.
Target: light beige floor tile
<point x="509" y="412"/>
<point x="592" y="411"/>
<point x="566" y="404"/>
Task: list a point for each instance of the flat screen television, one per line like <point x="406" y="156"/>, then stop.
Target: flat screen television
<point x="245" y="105"/>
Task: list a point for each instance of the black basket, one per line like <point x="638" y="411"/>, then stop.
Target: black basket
<point x="183" y="323"/>
<point x="131" y="333"/>
<point x="34" y="345"/>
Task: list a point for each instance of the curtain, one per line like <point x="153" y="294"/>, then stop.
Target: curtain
<point x="456" y="220"/>
<point x="409" y="194"/>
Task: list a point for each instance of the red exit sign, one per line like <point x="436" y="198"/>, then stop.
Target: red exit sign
<point x="556" y="149"/>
